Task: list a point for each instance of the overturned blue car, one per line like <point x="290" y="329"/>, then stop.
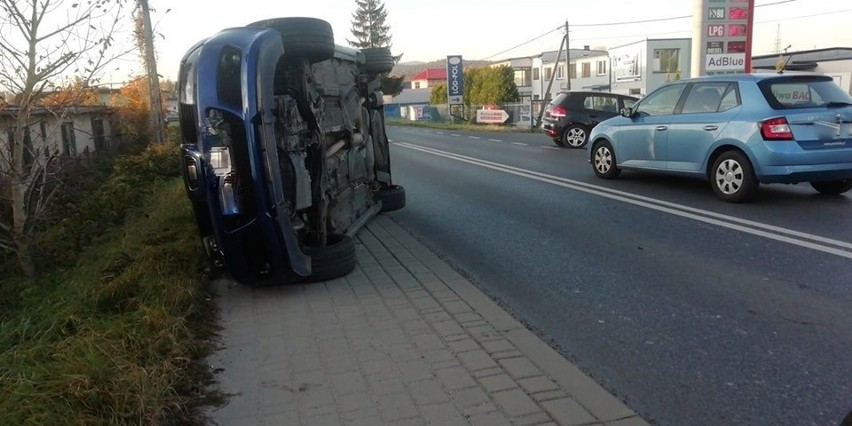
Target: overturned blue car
<point x="285" y="154"/>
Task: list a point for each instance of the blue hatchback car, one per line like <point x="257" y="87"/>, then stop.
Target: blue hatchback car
<point x="737" y="131"/>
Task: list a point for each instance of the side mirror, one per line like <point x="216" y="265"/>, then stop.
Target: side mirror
<point x="627" y="112"/>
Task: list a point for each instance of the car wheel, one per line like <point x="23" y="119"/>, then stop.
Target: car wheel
<point x="603" y="161"/>
<point x="733" y="178"/>
<point x="575" y="136"/>
<point x="559" y="142"/>
<point x="832" y="187"/>
<point x="377" y="60"/>
<point x="309" y="38"/>
<point x="392" y="197"/>
<point x="334" y="260"/>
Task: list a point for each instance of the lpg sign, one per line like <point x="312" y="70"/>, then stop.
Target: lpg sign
<point x="455" y="80"/>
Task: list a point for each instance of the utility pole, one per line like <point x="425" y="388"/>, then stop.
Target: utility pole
<point x="156" y="118"/>
<point x="567" y="57"/>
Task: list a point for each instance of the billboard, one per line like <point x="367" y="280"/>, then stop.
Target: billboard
<point x="627" y="67"/>
<point x="722" y="36"/>
<point x="455" y="80"/>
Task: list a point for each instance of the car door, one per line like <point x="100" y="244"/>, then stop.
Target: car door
<point x="641" y="143"/>
<point x="599" y="107"/>
<point x="706" y="110"/>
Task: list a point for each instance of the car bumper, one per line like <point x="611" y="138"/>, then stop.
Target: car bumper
<point x="253" y="240"/>
<point x="805" y="173"/>
<point x="551" y="129"/>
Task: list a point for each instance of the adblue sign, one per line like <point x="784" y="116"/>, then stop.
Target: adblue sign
<point x="725" y="62"/>
<point x="455" y="80"/>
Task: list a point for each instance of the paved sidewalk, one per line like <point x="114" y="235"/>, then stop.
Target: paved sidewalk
<point x="402" y="340"/>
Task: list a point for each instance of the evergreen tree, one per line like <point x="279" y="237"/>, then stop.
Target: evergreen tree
<point x="369" y="25"/>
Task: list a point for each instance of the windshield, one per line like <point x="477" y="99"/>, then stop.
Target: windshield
<point x="802" y="92"/>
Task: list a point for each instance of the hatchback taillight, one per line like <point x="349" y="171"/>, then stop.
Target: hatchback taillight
<point x="776" y="129"/>
<point x="558" y="111"/>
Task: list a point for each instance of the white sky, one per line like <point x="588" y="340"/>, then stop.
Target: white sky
<point x="426" y="30"/>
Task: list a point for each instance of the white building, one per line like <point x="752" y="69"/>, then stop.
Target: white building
<point x="835" y="62"/>
<point x="588" y="70"/>
<point x="639" y="68"/>
<point x="84" y="129"/>
<point x="523" y="75"/>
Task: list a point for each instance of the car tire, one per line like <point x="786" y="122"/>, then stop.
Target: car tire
<point x="334" y="260"/>
<point x="603" y="161"/>
<point x="309" y="38"/>
<point x="732" y="177"/>
<point x="559" y="142"/>
<point x="832" y="187"/>
<point x="392" y="197"/>
<point x="378" y="60"/>
<point x="575" y="136"/>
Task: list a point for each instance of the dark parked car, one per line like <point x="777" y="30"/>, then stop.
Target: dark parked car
<point x="285" y="154"/>
<point x="737" y="131"/>
<point x="570" y="117"/>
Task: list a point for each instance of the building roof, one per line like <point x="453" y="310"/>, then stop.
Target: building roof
<point x="413" y="97"/>
<point x="432" y="74"/>
<point x="804" y="59"/>
<point x="550" y="57"/>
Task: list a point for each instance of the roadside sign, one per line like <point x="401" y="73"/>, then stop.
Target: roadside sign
<point x="722" y="36"/>
<point x="455" y="80"/>
<point x="491" y="116"/>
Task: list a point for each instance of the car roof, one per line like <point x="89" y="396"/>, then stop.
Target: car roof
<point x="594" y="92"/>
<point x="749" y="77"/>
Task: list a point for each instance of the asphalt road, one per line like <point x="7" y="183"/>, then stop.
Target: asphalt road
<point x="691" y="310"/>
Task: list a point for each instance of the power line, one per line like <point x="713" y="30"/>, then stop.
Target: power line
<point x="672" y="18"/>
<point x="523" y="44"/>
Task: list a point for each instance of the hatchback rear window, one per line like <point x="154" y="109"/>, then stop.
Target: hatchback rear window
<point x="802" y="92"/>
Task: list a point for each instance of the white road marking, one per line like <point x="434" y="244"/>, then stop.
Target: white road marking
<point x="777" y="233"/>
<point x="495" y="140"/>
<point x="551" y="147"/>
<point x="520" y="144"/>
<point x="453" y="134"/>
<point x="440" y="133"/>
<point x="474" y="137"/>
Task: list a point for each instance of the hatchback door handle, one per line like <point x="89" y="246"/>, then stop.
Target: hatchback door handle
<point x="711" y="128"/>
<point x="661" y="128"/>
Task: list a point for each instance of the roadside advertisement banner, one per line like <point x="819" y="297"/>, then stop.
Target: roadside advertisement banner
<point x="627" y="67"/>
<point x="455" y="80"/>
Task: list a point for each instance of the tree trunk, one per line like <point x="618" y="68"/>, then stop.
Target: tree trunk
<point x="19" y="221"/>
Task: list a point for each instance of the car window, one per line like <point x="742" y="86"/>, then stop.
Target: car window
<point x="731" y="98"/>
<point x="628" y="103"/>
<point x="661" y="102"/>
<point x="802" y="92"/>
<point x="600" y="103"/>
<point x="704" y="97"/>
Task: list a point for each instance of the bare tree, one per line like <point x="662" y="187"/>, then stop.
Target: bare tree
<point x="44" y="43"/>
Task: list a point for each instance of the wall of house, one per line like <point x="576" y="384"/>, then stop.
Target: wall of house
<point x="636" y="69"/>
<point x="83" y="132"/>
<point x="841" y="71"/>
<point x="628" y="68"/>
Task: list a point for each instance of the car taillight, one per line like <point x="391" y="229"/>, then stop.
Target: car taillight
<point x="558" y="112"/>
<point x="776" y="129"/>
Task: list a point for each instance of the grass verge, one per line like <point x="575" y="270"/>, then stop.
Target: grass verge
<point x="119" y="337"/>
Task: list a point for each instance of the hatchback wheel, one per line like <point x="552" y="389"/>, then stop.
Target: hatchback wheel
<point x="575" y="136"/>
<point x="832" y="187"/>
<point x="603" y="161"/>
<point x="733" y="178"/>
